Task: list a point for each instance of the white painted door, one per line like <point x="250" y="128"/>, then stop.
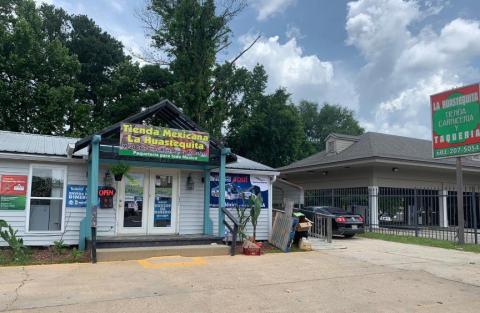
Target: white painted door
<point x="163" y="191"/>
<point x="133" y="203"/>
<point x="148" y="202"/>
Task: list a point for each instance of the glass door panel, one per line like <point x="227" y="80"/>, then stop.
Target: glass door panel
<point x="162" y="215"/>
<point x="133" y="208"/>
<point x="163" y="191"/>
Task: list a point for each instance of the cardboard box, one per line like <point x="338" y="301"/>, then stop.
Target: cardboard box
<point x="304" y="226"/>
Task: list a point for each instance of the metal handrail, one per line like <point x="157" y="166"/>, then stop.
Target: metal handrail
<point x="233" y="230"/>
<point x="322" y="226"/>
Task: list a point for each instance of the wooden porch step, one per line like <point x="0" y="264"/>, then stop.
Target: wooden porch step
<point x="156" y="241"/>
<point x="140" y="253"/>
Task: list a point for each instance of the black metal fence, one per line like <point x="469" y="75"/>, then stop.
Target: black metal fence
<point x="421" y="212"/>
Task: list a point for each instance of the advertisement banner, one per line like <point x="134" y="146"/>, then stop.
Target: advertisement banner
<point x="77" y="196"/>
<point x="13" y="191"/>
<point x="161" y="142"/>
<point x="239" y="187"/>
<point x="13" y="185"/>
<point x="455" y="122"/>
<point x="163" y="210"/>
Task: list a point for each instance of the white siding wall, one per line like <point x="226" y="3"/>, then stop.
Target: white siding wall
<point x="190" y="208"/>
<point x="191" y="204"/>
<point x="76" y="174"/>
<point x="106" y="218"/>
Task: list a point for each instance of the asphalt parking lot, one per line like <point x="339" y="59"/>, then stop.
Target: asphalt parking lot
<point x="361" y="275"/>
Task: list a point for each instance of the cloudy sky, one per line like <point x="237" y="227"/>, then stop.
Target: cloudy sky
<point x="381" y="58"/>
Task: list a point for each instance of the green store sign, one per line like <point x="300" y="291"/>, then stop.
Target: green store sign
<point x="455" y="122"/>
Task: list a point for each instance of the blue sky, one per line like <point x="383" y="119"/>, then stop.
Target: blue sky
<point x="381" y="58"/>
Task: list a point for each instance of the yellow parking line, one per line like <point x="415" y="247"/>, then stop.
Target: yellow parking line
<point x="194" y="261"/>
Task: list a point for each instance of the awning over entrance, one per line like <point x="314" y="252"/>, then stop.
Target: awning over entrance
<point x="163" y="113"/>
<point x="104" y="146"/>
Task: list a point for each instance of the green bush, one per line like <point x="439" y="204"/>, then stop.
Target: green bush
<point x="20" y="252"/>
<point x="59" y="246"/>
<point x="76" y="254"/>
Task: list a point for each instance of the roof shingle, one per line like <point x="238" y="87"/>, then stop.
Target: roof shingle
<point x="371" y="145"/>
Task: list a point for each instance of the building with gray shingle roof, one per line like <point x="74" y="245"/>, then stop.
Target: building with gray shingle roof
<point x="375" y="146"/>
<point x="360" y="170"/>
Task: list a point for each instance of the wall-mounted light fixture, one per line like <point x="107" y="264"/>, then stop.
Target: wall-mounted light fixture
<point x="190" y="183"/>
<point x="325" y="173"/>
<point x="394" y="169"/>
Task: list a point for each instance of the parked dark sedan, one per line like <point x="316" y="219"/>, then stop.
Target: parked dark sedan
<point x="343" y="223"/>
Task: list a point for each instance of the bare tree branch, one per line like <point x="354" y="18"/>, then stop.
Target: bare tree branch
<point x="214" y="87"/>
<point x="245" y="50"/>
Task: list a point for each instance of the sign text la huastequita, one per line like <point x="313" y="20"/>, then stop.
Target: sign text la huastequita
<point x="161" y="142"/>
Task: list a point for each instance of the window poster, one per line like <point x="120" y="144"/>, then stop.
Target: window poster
<point x="77" y="196"/>
<point x="238" y="189"/>
<point x="13" y="192"/>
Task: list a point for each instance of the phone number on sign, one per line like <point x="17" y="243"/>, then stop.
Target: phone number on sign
<point x="470" y="149"/>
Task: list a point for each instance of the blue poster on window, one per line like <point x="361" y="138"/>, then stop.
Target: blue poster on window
<point x="76" y="196"/>
<point x="238" y="189"/>
<point x="163" y="209"/>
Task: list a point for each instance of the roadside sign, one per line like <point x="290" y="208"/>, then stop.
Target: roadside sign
<point x="456" y="133"/>
<point x="455" y="122"/>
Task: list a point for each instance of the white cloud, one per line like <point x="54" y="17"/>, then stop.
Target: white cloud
<point x="402" y="67"/>
<point x="269" y="8"/>
<point x="305" y="76"/>
<point x="293" y="32"/>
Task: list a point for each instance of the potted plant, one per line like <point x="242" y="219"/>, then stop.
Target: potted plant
<point x="119" y="169"/>
<point x="255" y="209"/>
<point x="250" y="245"/>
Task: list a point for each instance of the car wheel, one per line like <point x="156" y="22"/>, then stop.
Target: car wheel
<point x="349" y="236"/>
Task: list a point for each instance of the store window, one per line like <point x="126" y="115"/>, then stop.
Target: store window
<point x="46" y="201"/>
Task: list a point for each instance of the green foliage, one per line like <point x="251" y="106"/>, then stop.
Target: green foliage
<point x="59" y="246"/>
<point x="63" y="75"/>
<point x="243" y="219"/>
<point x="270" y="132"/>
<point x="318" y="124"/>
<point x="120" y="169"/>
<point x="76" y="254"/>
<point x="20" y="251"/>
<point x="191" y="33"/>
<point x="255" y="210"/>
<point x="37" y="72"/>
<point x="445" y="244"/>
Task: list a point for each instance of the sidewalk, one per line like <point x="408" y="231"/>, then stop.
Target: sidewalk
<point x="367" y="276"/>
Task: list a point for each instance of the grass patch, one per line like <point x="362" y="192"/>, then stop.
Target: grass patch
<point x="36" y="256"/>
<point x="423" y="241"/>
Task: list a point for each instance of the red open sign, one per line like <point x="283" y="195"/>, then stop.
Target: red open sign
<point x="106" y="192"/>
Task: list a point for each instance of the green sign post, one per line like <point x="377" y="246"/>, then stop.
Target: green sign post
<point x="456" y="133"/>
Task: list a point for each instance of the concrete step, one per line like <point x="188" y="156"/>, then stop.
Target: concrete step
<point x="140" y="253"/>
<point x="155" y="240"/>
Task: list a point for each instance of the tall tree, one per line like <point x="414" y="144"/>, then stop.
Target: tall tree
<point x="272" y="133"/>
<point x="36" y="72"/>
<point x="192" y="32"/>
<point x="329" y="119"/>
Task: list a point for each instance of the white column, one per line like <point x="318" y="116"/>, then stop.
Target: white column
<point x="443" y="210"/>
<point x="373" y="205"/>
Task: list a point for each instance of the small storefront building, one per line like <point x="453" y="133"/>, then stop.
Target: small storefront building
<point x="178" y="179"/>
